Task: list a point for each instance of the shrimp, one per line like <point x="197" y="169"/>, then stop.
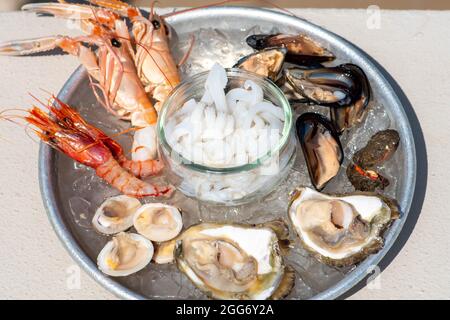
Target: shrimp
<point x="65" y="130"/>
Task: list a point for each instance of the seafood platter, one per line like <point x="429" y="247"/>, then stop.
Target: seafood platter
<point x="220" y="152"/>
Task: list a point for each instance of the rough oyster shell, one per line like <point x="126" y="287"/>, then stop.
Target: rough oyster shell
<point x="348" y="232"/>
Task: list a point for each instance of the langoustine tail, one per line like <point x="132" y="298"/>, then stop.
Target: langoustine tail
<point x="125" y="182"/>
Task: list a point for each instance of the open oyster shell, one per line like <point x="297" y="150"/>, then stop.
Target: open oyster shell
<point x="233" y="261"/>
<point x="341" y="230"/>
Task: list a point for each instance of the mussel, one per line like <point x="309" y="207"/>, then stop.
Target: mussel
<point x="363" y="172"/>
<point x="301" y="49"/>
<point x="344" y="88"/>
<point x="346" y="117"/>
<point x="267" y="62"/>
<point x="321" y="147"/>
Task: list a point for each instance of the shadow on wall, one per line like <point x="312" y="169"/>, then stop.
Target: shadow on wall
<point x="420" y="187"/>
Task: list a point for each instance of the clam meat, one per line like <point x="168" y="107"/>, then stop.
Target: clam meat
<point x="233" y="261"/>
<point x="301" y="49"/>
<point x="267" y="62"/>
<point x="115" y="214"/>
<point x="341" y="230"/>
<point x="125" y="254"/>
<point x="321" y="147"/>
<point x="158" y="222"/>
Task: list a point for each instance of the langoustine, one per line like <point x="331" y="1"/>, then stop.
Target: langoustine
<point x="65" y="130"/>
<point x="125" y="67"/>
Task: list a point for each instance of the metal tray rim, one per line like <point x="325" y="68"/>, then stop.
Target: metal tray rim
<point x="47" y="176"/>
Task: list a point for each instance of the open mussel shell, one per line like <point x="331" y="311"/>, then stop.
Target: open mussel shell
<point x="347" y="116"/>
<point x="321" y="147"/>
<point x="341" y="230"/>
<point x="267" y="62"/>
<point x="324" y="86"/>
<point x="301" y="49"/>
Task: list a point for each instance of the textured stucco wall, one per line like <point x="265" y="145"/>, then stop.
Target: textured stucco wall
<point x="413" y="46"/>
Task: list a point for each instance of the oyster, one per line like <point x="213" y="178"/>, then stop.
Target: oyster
<point x="267" y="62"/>
<point x="363" y="173"/>
<point x="125" y="254"/>
<point x="158" y="222"/>
<point x="321" y="147"/>
<point x="233" y="261"/>
<point x="301" y="49"/>
<point x="115" y="214"/>
<point x="341" y="230"/>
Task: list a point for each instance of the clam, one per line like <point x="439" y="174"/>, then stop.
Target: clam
<point x="301" y="49"/>
<point x="234" y="261"/>
<point x="341" y="230"/>
<point x="158" y="222"/>
<point x="267" y="62"/>
<point x="164" y="252"/>
<point x="321" y="147"/>
<point x="115" y="214"/>
<point x="125" y="254"/>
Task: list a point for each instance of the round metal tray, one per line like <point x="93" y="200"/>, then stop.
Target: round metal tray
<point x="76" y="89"/>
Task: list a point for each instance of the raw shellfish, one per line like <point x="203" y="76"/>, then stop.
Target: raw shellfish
<point x="341" y="230"/>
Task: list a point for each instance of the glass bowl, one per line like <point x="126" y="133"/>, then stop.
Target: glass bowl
<point x="227" y="185"/>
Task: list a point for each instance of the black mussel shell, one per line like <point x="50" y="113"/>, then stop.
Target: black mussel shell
<point x="321" y="147"/>
<point x="347" y="116"/>
<point x="324" y="86"/>
<point x="258" y="41"/>
<point x="366" y="180"/>
<point x="267" y="62"/>
<point x="379" y="149"/>
<point x="301" y="48"/>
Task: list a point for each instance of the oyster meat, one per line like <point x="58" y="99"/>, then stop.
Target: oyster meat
<point x="115" y="214"/>
<point x="233" y="261"/>
<point x="341" y="230"/>
<point x="158" y="222"/>
<point x="267" y="62"/>
<point x="321" y="147"/>
<point x="125" y="254"/>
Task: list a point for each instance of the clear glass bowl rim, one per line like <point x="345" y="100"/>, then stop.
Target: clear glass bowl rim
<point x="266" y="83"/>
